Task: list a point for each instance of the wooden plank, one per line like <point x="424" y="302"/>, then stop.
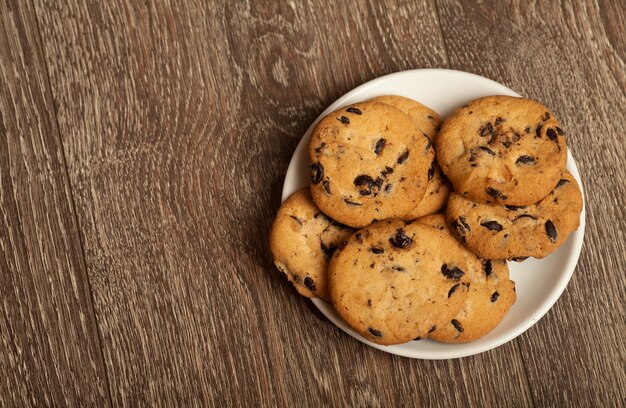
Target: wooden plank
<point x="571" y="57"/>
<point x="178" y="121"/>
<point x="49" y="348"/>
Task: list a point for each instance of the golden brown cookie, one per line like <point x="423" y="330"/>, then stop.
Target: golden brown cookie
<point x="302" y="241"/>
<point x="428" y="121"/>
<point x="395" y="282"/>
<point x="513" y="232"/>
<point x="490" y="296"/>
<point x="369" y="162"/>
<point x="502" y="149"/>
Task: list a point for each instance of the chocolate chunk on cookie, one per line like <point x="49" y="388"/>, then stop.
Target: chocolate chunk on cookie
<point x="489" y="297"/>
<point x="371" y="165"/>
<point x="393" y="282"/>
<point x="501" y="149"/>
<point x="516" y="232"/>
<point x="302" y="241"/>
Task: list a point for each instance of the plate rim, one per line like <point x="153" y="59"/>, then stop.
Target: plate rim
<point x="563" y="281"/>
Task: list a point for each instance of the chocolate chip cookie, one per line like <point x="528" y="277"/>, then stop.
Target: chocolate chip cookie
<point x="369" y="162"/>
<point x="302" y="241"/>
<point x="428" y="122"/>
<point x="490" y="296"/>
<point x="394" y="282"/>
<point x="514" y="232"/>
<point x="503" y="150"/>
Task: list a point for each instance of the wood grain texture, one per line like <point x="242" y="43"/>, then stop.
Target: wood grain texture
<point x="187" y="116"/>
<point x="571" y="57"/>
<point x="49" y="349"/>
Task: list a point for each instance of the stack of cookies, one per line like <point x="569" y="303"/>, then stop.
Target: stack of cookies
<point x="370" y="235"/>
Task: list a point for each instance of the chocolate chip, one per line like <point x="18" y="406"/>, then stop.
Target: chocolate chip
<point x="432" y="329"/>
<point x="457" y="325"/>
<point x="495" y="193"/>
<point x="309" y="283"/>
<point x="545" y="116"/>
<point x="494" y="297"/>
<point x="388" y="170"/>
<point x="375" y="332"/>
<point x="321" y="147"/>
<point x="453" y="289"/>
<point x="431" y="172"/>
<point x="296" y="219"/>
<point x="428" y="142"/>
<point x="328" y="251"/>
<point x="519" y="258"/>
<point x="369" y="302"/>
<point x="364" y="183"/>
<point x="561" y="183"/>
<point x="349" y="202"/>
<point x="487" y="130"/>
<point x="398" y="268"/>
<point x="551" y="231"/>
<point x="461" y="226"/>
<point x="487" y="150"/>
<point x="378" y="183"/>
<point x="316" y="172"/>
<point x="538" y="131"/>
<point x="388" y="188"/>
<point x="492" y="225"/>
<point x="377" y="250"/>
<point x="326" y="186"/>
<point x="344" y="120"/>
<point x="380" y="145"/>
<point x="551" y="134"/>
<point x="400" y="240"/>
<point x="452" y="273"/>
<point x="527" y="130"/>
<point x="354" y="110"/>
<point x="358" y="237"/>
<point x="524" y="216"/>
<point x="559" y="131"/>
<point x="516" y="136"/>
<point x="403" y="157"/>
<point x="514" y="207"/>
<point x="498" y="121"/>
<point x="507" y="143"/>
<point x="487" y="267"/>
<point x="525" y="160"/>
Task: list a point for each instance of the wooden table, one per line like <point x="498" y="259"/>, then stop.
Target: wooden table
<point x="142" y="153"/>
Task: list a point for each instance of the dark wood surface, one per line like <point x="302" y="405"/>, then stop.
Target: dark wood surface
<point x="143" y="147"/>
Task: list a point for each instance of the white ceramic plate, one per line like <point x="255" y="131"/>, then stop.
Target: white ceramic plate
<point x="539" y="283"/>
